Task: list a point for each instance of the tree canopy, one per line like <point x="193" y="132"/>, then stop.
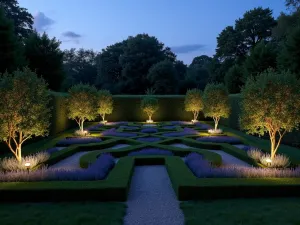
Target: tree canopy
<point x="271" y="104"/>
<point x="193" y="102"/>
<point x="24" y="109"/>
<point x="82" y="103"/>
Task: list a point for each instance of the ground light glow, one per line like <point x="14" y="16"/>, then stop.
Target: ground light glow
<point x="149" y="121"/>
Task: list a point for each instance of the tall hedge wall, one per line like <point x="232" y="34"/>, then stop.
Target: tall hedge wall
<point x="171" y="107"/>
<point x="59" y="119"/>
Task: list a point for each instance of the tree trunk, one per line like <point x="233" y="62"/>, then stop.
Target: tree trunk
<point x="216" y="119"/>
<point x="150" y="117"/>
<point x="196" y="115"/>
<point x="103" y="117"/>
<point x="273" y="145"/>
<point x="19" y="153"/>
<point x="81" y="125"/>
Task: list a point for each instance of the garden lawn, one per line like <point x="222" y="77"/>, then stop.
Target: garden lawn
<point x="81" y="213"/>
<point x="243" y="212"/>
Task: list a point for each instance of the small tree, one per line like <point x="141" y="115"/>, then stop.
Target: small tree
<point x="193" y="102"/>
<point x="216" y="102"/>
<point x="105" y="103"/>
<point x="24" y="109"/>
<point x="82" y="103"/>
<point x="149" y="105"/>
<point x="271" y="104"/>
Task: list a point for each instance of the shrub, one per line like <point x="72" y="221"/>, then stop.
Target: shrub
<point x="52" y="150"/>
<point x="129" y="127"/>
<point x="151" y="151"/>
<point x="105" y="103"/>
<point x="149" y="105"/>
<point x="215" y="131"/>
<point x="149" y="139"/>
<point x="220" y="139"/>
<point x="279" y="161"/>
<point x="255" y="154"/>
<point x="24" y="109"/>
<point x="78" y="140"/>
<point x="169" y="127"/>
<point x="216" y="102"/>
<point x="82" y="103"/>
<point x="271" y="104"/>
<point x="12" y="164"/>
<point x="193" y="102"/>
<point x="149" y="130"/>
<point x="81" y="133"/>
<point x="244" y="147"/>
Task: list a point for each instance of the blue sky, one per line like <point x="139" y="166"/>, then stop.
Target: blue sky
<point x="189" y="27"/>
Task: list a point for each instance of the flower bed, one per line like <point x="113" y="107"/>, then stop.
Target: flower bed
<point x="151" y="151"/>
<point x="129" y="127"/>
<point x="220" y="139"/>
<point x="113" y="132"/>
<point x="169" y="127"/>
<point x="149" y="130"/>
<point x="149" y="139"/>
<point x="78" y="140"/>
<point x="95" y="127"/>
<point x="203" y="126"/>
<point x="202" y="169"/>
<point x="186" y="131"/>
<point x="244" y="147"/>
<point x="96" y="171"/>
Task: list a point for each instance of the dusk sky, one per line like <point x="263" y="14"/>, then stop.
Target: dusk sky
<point x="189" y="27"/>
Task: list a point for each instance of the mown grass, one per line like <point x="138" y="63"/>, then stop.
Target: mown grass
<point x="243" y="212"/>
<point x="79" y="213"/>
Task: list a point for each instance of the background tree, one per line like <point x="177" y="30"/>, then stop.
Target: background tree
<point x="271" y="104"/>
<point x="44" y="56"/>
<point x="80" y="67"/>
<point x="109" y="70"/>
<point x="163" y="77"/>
<point x="105" y="103"/>
<point x="289" y="57"/>
<point x="293" y="5"/>
<point x="149" y="105"/>
<point x="202" y="61"/>
<point x="196" y="77"/>
<point x="234" y="79"/>
<point x="216" y="102"/>
<point x="193" y="102"/>
<point x="136" y="62"/>
<point x="22" y="19"/>
<point x="10" y="49"/>
<point x="82" y="103"/>
<point x="24" y="109"/>
<point x="262" y="57"/>
<point x="255" y="26"/>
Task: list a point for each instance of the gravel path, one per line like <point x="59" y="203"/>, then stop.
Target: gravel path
<point x="228" y="159"/>
<point x="71" y="162"/>
<point x="179" y="145"/>
<point x="120" y="146"/>
<point x="151" y="199"/>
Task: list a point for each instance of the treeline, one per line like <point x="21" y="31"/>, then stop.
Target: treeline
<point x="256" y="42"/>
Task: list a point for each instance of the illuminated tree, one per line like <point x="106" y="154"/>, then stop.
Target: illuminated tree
<point x="82" y="103"/>
<point x="105" y="103"/>
<point x="216" y="102"/>
<point x="149" y="105"/>
<point x="193" y="102"/>
<point x="271" y="104"/>
<point x="24" y="109"/>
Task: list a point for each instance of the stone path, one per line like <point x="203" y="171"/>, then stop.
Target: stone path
<point x="151" y="199"/>
<point x="229" y="160"/>
<point x="71" y="162"/>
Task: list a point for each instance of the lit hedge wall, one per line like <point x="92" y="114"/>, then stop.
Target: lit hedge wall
<point x="171" y="107"/>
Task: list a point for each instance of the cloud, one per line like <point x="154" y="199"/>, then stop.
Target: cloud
<point x="71" y="36"/>
<point x="187" y="48"/>
<point x="42" y="22"/>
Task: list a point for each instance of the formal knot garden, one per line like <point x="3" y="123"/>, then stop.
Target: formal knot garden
<point x="155" y="167"/>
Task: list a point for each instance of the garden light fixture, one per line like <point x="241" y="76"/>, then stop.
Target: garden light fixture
<point x="27" y="165"/>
